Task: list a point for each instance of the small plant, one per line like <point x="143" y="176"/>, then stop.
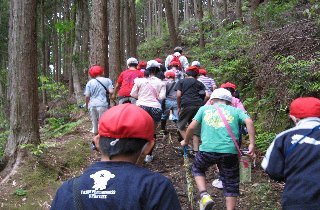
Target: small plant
<point x="35" y="150"/>
<point x="20" y="192"/>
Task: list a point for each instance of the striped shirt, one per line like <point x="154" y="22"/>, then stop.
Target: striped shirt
<point x="208" y="82"/>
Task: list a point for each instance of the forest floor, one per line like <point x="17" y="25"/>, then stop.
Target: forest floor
<point x="35" y="183"/>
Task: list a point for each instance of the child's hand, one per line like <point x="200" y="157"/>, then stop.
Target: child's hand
<point x="184" y="143"/>
<point x="251" y="150"/>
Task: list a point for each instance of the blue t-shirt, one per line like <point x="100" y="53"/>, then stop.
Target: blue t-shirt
<point x="118" y="185"/>
<point x="96" y="91"/>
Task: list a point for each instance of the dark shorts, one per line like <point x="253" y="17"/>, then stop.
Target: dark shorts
<point x="186" y="115"/>
<point x="155" y="113"/>
<point x="228" y="165"/>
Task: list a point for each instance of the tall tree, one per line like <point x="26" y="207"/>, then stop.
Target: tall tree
<point x="255" y="24"/>
<point x="133" y="28"/>
<point x="114" y="37"/>
<point x="98" y="34"/>
<point x="23" y="86"/>
<point x="239" y="10"/>
<point x="76" y="64"/>
<point x="171" y="25"/>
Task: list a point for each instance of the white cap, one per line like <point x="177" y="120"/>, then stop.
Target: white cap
<point x="176" y="54"/>
<point x="132" y="61"/>
<point x="153" y="63"/>
<point x="221" y="93"/>
<point x="195" y="63"/>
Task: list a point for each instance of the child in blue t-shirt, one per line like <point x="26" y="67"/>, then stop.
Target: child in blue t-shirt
<point x="217" y="146"/>
<point x="117" y="182"/>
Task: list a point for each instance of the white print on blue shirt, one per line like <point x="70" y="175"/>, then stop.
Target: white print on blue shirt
<point x="306" y="140"/>
<point x="101" y="179"/>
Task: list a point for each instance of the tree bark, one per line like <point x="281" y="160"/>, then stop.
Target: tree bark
<point x="200" y="17"/>
<point x="76" y="52"/>
<point x="133" y="28"/>
<point x="255" y="23"/>
<point x="171" y="25"/>
<point x="98" y="34"/>
<point x="23" y="82"/>
<point x="114" y="35"/>
<point x="239" y="10"/>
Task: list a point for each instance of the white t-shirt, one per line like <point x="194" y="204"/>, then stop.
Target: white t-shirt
<point x="96" y="91"/>
<point x="149" y="91"/>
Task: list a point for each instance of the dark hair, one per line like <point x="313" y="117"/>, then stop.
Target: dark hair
<point x="133" y="65"/>
<point x="126" y="146"/>
<point x="153" y="70"/>
<point x="230" y="89"/>
<point x="192" y="73"/>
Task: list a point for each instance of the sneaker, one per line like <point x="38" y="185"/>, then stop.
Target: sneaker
<point x="217" y="183"/>
<point x="206" y="202"/>
<point x="148" y="158"/>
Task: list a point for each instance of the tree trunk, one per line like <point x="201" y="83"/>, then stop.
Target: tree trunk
<point x="239" y="10"/>
<point x="200" y="17"/>
<point x="171" y="25"/>
<point x="98" y="35"/>
<point x="76" y="52"/>
<point x="115" y="57"/>
<point x="23" y="82"/>
<point x="255" y="24"/>
<point x="43" y="65"/>
<point x="133" y="28"/>
<point x="85" y="41"/>
<point x="225" y="12"/>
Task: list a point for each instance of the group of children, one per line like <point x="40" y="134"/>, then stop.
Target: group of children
<point x="149" y="93"/>
<point x="178" y="90"/>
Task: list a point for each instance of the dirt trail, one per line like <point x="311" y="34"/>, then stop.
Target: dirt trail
<point x="260" y="194"/>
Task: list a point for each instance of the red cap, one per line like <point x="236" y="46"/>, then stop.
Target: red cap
<point x="126" y="121"/>
<point x="159" y="60"/>
<point x="95" y="71"/>
<point x="193" y="68"/>
<point x="202" y="71"/>
<point x="174" y="63"/>
<point x="305" y="107"/>
<point x="142" y="65"/>
<point x="228" y="85"/>
<point x="169" y="74"/>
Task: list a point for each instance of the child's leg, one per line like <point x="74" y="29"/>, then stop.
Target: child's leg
<point x="229" y="174"/>
<point x="231" y="203"/>
<point x="201" y="183"/>
<point x="94" y="119"/>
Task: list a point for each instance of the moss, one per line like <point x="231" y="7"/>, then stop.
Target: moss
<point x="78" y="151"/>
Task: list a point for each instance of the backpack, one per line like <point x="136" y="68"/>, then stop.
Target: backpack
<point x="176" y="59"/>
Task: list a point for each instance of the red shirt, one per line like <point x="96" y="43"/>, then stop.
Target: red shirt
<point x="126" y="81"/>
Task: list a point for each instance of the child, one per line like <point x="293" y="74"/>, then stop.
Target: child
<point x="148" y="91"/>
<point x="125" y="82"/>
<point x="116" y="182"/>
<point x="217" y="147"/>
<point x="170" y="103"/>
<point x="293" y="157"/>
<point x="96" y="95"/>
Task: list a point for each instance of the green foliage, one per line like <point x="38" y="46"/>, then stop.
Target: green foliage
<point x="3" y="141"/>
<point x="55" y="90"/>
<point x="276" y="13"/>
<point x="313" y="11"/>
<point x="303" y="79"/>
<point x="36" y="150"/>
<point x="263" y="140"/>
<point x="79" y="150"/>
<point x="153" y="48"/>
<point x="20" y="192"/>
<point x="64" y="26"/>
<point x="57" y="128"/>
